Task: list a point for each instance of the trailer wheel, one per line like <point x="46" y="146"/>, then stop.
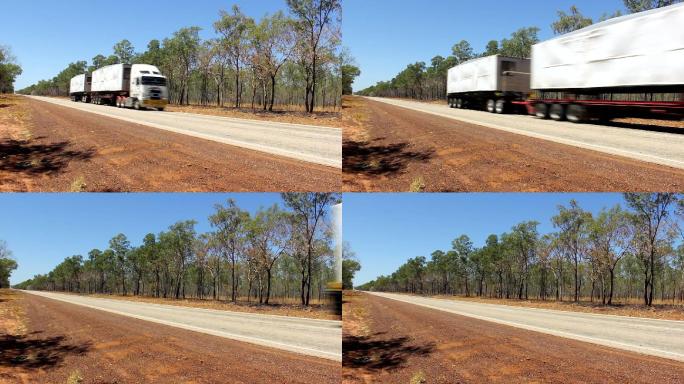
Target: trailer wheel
<point x="491" y="106"/>
<point x="576" y="113"/>
<point x="451" y="103"/>
<point x="500" y="107"/>
<point x="136" y="105"/>
<point x="541" y="110"/>
<point x="557" y="112"/>
<point x="459" y="103"/>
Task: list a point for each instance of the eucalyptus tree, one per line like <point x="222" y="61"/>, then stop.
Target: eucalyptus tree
<point x="569" y="22"/>
<point x="180" y="240"/>
<point x="231" y="225"/>
<point x="7" y="264"/>
<point x="234" y="30"/>
<point x="635" y="6"/>
<point x="124" y="51"/>
<point x="9" y="70"/>
<point x="317" y="27"/>
<point x="572" y="223"/>
<point x="180" y="60"/>
<point x="268" y="235"/>
<point x="120" y="245"/>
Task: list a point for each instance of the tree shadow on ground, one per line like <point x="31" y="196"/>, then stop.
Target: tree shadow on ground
<point x="5" y="105"/>
<point x="377" y="159"/>
<point x="34" y="352"/>
<point x="26" y="157"/>
<point x="375" y="353"/>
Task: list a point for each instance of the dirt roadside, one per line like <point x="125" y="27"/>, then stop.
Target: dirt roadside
<point x="66" y="341"/>
<point x="49" y="148"/>
<point x="393" y="149"/>
<point x="404" y="343"/>
<point x="281" y="114"/>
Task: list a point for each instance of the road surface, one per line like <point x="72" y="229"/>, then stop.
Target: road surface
<point x="319" y="338"/>
<point x="319" y="145"/>
<point x="395" y="149"/>
<point x="106" y="154"/>
<point x="401" y="342"/>
<point x="656" y="147"/>
<point x="66" y="341"/>
<point x="662" y="338"/>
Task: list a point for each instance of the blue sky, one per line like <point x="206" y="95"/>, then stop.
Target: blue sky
<point x="385" y="230"/>
<point x="385" y="35"/>
<point x="43" y="229"/>
<point x="46" y="35"/>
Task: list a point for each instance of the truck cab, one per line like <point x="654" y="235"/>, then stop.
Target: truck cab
<point x="148" y="87"/>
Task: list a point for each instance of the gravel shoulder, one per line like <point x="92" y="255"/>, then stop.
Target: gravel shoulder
<point x="394" y="149"/>
<point x="65" y="340"/>
<point x="405" y="342"/>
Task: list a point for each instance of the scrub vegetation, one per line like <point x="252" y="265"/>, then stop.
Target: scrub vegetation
<point x="628" y="253"/>
<point x="278" y="254"/>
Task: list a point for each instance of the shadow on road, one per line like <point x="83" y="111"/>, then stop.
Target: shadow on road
<point x="376" y="353"/>
<point x="34" y="352"/>
<point x="645" y="127"/>
<point x="26" y="157"/>
<point x="376" y="160"/>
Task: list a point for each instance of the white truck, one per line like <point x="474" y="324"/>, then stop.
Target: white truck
<point x="495" y="83"/>
<point x="629" y="66"/>
<point x="123" y="85"/>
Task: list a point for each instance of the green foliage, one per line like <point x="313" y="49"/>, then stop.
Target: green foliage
<point x="521" y="42"/>
<point x="9" y="70"/>
<point x="618" y="253"/>
<point x="635" y="6"/>
<point x="349" y="269"/>
<point x="124" y="51"/>
<point x="7" y="264"/>
<point x="349" y="74"/>
<point x="462" y="51"/>
<point x="570" y="22"/>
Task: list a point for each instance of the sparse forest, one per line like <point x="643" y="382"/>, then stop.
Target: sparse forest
<point x="9" y="70"/>
<point x="424" y="81"/>
<point x="285" y="61"/>
<point x="280" y="254"/>
<point x="627" y="253"/>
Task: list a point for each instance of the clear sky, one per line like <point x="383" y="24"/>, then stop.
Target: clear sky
<point x="387" y="35"/>
<point x="43" y="229"/>
<point x="46" y="35"/>
<point x="385" y="230"/>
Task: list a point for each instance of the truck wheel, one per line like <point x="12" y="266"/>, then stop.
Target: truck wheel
<point x="459" y="103"/>
<point x="576" y="113"/>
<point x="557" y="112"/>
<point x="451" y="103"/>
<point x="160" y="109"/>
<point x="541" y="110"/>
<point x="491" y="106"/>
<point x="136" y="105"/>
<point x="500" y="107"/>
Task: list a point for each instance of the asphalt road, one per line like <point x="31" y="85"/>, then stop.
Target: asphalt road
<point x="319" y="145"/>
<point x="662" y="338"/>
<point x="656" y="147"/>
<point x="319" y="338"/>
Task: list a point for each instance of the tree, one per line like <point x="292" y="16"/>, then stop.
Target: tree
<point x="9" y="70"/>
<point x="181" y="59"/>
<point x="349" y="268"/>
<point x="310" y="210"/>
<point x="521" y="42"/>
<point x="231" y="232"/>
<point x="349" y="74"/>
<point x="650" y="214"/>
<point x="635" y="6"/>
<point x="572" y="223"/>
<point x="268" y="233"/>
<point x="315" y="32"/>
<point x="7" y="264"/>
<point x="463" y="249"/>
<point x="462" y="51"/>
<point x="124" y="51"/>
<point x="234" y="29"/>
<point x="570" y="22"/>
<point x="120" y="245"/>
<point x="492" y="48"/>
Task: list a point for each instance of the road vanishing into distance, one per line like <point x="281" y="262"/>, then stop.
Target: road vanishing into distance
<point x="318" y="338"/>
<point x="662" y="148"/>
<point x="662" y="338"/>
<point x="313" y="144"/>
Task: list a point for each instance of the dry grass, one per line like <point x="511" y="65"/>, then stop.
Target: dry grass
<point x="355" y="314"/>
<point x="624" y="308"/>
<point x="355" y="118"/>
<point x="12" y="313"/>
<point x="282" y="114"/>
<point x="14" y="131"/>
<point x="317" y="309"/>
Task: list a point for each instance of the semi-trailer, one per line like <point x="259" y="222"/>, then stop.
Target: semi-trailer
<point x="495" y="83"/>
<point x="122" y="85"/>
<point x="630" y="66"/>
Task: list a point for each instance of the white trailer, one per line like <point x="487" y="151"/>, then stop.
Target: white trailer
<point x="626" y="66"/>
<point x="79" y="87"/>
<point x="493" y="82"/>
<point x="125" y="85"/>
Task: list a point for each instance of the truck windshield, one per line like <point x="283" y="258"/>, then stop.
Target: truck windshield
<point x="150" y="80"/>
